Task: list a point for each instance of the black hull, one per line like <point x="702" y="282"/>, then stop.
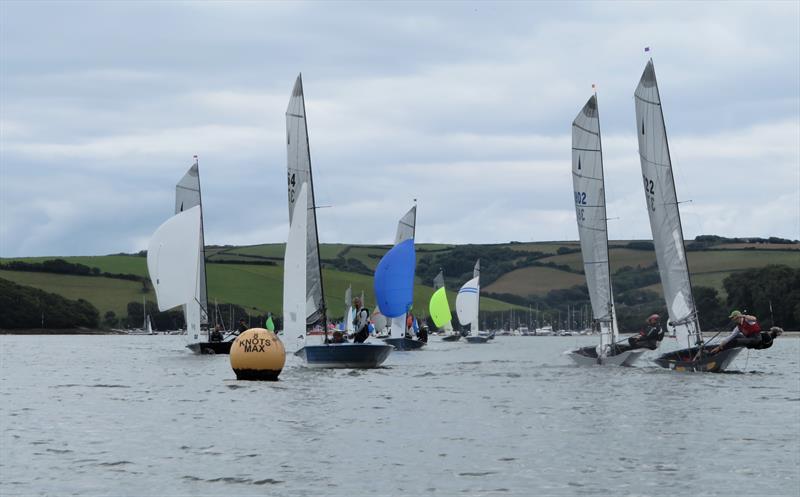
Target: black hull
<point x="404" y="343"/>
<point x="477" y="339"/>
<point x="345" y="355"/>
<point x="211" y="347"/>
<point x="690" y="360"/>
<point x="451" y="338"/>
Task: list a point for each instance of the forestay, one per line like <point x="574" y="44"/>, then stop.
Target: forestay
<point x="662" y="207"/>
<point x="299" y="173"/>
<point x="590" y="211"/>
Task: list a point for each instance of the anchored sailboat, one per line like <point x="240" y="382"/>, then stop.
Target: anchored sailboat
<point x="590" y="210"/>
<point x="468" y="305"/>
<point x="665" y="223"/>
<point x="440" y="309"/>
<point x="394" y="282"/>
<point x="303" y="297"/>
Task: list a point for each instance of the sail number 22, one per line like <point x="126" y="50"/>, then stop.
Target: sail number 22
<point x="650" y="192"/>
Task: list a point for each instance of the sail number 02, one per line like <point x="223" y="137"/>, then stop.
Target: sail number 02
<point x="580" y="199"/>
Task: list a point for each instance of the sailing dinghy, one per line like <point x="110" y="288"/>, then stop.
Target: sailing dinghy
<point x="665" y="223"/>
<point x="394" y="283"/>
<point x="187" y="195"/>
<point x="468" y="305"/>
<point x="590" y="210"/>
<point x="440" y="309"/>
<point x="303" y="297"/>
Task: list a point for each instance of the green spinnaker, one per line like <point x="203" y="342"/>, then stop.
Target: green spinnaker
<point x="270" y="324"/>
<point x="440" y="309"/>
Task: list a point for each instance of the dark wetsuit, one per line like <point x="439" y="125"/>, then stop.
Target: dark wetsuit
<point x="216" y="336"/>
<point x="648" y="338"/>
<point x="361" y="325"/>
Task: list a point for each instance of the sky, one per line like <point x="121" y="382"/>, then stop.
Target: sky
<point x="464" y="106"/>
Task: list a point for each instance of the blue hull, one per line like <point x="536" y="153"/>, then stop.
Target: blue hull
<point x="344" y="355"/>
<point x="404" y="343"/>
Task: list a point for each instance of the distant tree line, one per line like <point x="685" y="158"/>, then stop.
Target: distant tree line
<point x="60" y="266"/>
<point x="24" y="307"/>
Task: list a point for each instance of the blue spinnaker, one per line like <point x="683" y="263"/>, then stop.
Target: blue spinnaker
<point x="394" y="279"/>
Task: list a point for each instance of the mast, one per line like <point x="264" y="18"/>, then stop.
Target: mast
<point x="202" y="242"/>
<point x="314" y="213"/>
<point x="611" y="313"/>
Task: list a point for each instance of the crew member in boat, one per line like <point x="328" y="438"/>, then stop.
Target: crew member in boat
<point x="242" y="327"/>
<point x="747" y="333"/>
<point x="650" y="336"/>
<point x="360" y="322"/>
<point x="216" y="335"/>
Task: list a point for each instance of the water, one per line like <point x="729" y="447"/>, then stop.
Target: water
<point x="140" y="415"/>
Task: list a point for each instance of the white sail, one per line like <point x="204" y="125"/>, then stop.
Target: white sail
<point x="590" y="211"/>
<point x="348" y="310"/>
<point x="662" y="207"/>
<point x="467" y="303"/>
<point x="398" y="326"/>
<point x="172" y="259"/>
<point x="299" y="173"/>
<point x="406" y="227"/>
<point x="187" y="195"/>
<point x="294" y="276"/>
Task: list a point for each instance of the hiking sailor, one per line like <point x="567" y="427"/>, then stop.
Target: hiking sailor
<point x="651" y="336"/>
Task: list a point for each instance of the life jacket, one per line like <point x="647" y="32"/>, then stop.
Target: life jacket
<point x="749" y="328"/>
<point x="356" y="319"/>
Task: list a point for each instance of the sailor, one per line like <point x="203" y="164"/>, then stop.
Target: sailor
<point x="242" y="327"/>
<point x="650" y="336"/>
<point x="216" y="335"/>
<point x="360" y="322"/>
<point x="746" y="333"/>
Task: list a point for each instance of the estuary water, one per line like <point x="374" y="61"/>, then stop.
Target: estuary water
<point x="141" y="415"/>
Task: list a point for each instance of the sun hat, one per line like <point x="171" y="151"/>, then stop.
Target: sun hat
<point x="734" y="315"/>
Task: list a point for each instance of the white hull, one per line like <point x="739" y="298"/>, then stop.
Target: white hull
<point x="626" y="358"/>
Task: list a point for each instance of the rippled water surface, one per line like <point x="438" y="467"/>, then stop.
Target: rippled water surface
<point x="140" y="415"/>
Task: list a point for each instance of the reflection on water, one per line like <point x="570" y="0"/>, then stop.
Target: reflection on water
<point x="99" y="415"/>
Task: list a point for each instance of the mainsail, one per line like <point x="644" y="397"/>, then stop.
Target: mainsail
<point x="406" y="226"/>
<point x="662" y="206"/>
<point x="590" y="211"/>
<point x="349" y="310"/>
<point x="299" y="173"/>
<point x="187" y="195"/>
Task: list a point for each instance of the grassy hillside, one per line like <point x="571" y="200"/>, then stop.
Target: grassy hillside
<point x="255" y="281"/>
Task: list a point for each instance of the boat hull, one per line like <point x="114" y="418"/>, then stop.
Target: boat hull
<point x="588" y="357"/>
<point x="404" y="343"/>
<point x="345" y="355"/>
<point x="211" y="347"/>
<point x="686" y="360"/>
<point x="451" y="338"/>
<point x="477" y="339"/>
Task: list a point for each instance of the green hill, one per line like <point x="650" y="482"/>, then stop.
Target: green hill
<point x="515" y="274"/>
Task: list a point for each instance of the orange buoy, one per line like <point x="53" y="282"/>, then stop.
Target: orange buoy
<point x="257" y="354"/>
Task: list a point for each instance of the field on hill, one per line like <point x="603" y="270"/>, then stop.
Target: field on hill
<point x="254" y="281"/>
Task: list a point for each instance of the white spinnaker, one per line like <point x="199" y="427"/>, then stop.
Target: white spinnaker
<point x="294" y="276"/>
<point x="467" y="303"/>
<point x="187" y="195"/>
<point x="398" y="326"/>
<point x="662" y="207"/>
<point x="590" y="211"/>
<point x="298" y="173"/>
<point x="172" y="259"/>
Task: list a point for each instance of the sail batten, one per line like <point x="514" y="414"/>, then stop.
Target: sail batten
<point x="662" y="208"/>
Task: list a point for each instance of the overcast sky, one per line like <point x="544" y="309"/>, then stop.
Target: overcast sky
<point x="465" y="106"/>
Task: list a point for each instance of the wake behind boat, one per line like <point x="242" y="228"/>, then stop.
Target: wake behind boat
<point x="303" y="297"/>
